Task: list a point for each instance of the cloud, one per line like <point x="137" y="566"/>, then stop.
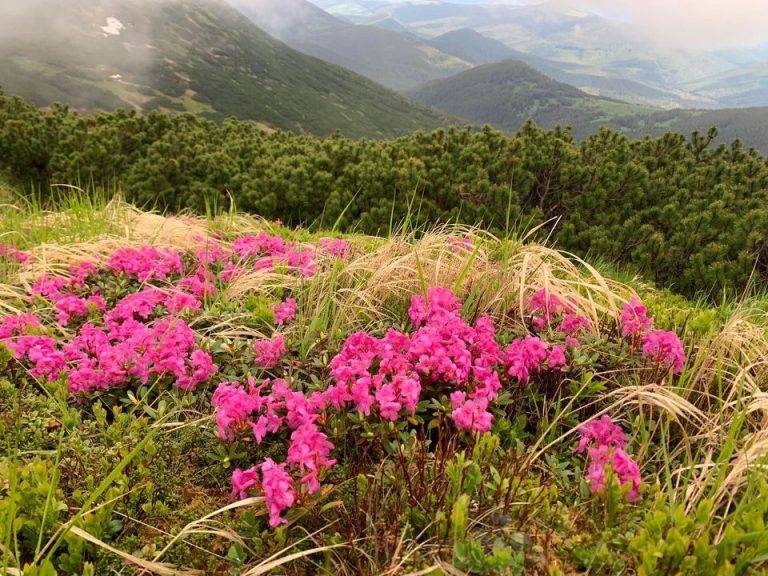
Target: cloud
<point x="691" y="23"/>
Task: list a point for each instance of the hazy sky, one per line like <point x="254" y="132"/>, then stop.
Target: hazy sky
<point x="714" y="23"/>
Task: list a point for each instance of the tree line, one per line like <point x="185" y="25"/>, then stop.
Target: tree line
<point x="688" y="214"/>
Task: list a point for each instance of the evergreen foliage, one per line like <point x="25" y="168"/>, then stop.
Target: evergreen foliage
<point x="682" y="211"/>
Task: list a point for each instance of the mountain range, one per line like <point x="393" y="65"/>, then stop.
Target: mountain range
<point x="600" y="55"/>
<point x="373" y="68"/>
<point x="506" y="94"/>
<point x="397" y="59"/>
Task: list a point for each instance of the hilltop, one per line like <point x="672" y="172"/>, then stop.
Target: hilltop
<point x="509" y="93"/>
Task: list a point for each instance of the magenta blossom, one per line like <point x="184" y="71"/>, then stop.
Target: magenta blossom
<point x="285" y="312"/>
<point x="604" y="443"/>
<point x="634" y="319"/>
<point x="336" y="247"/>
<point x="665" y="349"/>
<point x="269" y="352"/>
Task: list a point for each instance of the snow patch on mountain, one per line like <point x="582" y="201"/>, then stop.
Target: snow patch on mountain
<point x="113" y="27"/>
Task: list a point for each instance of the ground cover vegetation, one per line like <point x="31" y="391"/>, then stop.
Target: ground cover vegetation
<point x="683" y="212"/>
<point x="227" y="395"/>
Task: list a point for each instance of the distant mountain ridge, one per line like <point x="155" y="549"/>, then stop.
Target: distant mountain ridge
<point x="390" y="56"/>
<point x="199" y="56"/>
<point x="507" y="94"/>
<point x="603" y="56"/>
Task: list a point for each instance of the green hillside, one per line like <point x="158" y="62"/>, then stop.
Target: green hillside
<point x="198" y="56"/>
<point x="745" y="86"/>
<point x="474" y="47"/>
<point x="509" y="93"/>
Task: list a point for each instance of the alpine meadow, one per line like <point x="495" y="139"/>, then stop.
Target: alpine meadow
<point x="392" y="287"/>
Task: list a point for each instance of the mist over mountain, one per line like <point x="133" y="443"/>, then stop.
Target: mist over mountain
<point x="571" y="42"/>
<point x="393" y="57"/>
<point x="199" y="56"/>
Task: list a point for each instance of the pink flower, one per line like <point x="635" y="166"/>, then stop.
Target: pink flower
<point x="572" y="342"/>
<point x="262" y="244"/>
<point x="200" y="285"/>
<point x="81" y="272"/>
<point x="285" y="312"/>
<point x="177" y="302"/>
<point x="277" y="487"/>
<point x="146" y="262"/>
<point x="439" y="302"/>
<point x="633" y="319"/>
<point x="544" y="306"/>
<point x="302" y="260"/>
<point x="269" y="352"/>
<point x="572" y="324"/>
<point x="664" y="348"/>
<point x="10" y="252"/>
<point x="230" y="272"/>
<point x="16" y="325"/>
<point x="624" y="467"/>
<point x="68" y="307"/>
<point x="242" y="481"/>
<point x="47" y="360"/>
<point x="470" y="414"/>
<point x="139" y="305"/>
<point x="605" y="442"/>
<point x="461" y="244"/>
<point x="602" y="432"/>
<point x="556" y="358"/>
<point x="50" y="287"/>
<point x="234" y="406"/>
<point x="309" y="450"/>
<point x="211" y="253"/>
<point x="101" y="360"/>
<point x="524" y="356"/>
<point x="336" y="247"/>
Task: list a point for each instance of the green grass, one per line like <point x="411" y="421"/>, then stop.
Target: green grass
<point x="136" y="478"/>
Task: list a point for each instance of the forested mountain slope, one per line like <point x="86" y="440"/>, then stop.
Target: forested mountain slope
<point x="199" y="56"/>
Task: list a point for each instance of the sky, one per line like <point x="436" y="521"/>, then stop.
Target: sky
<point x="698" y="23"/>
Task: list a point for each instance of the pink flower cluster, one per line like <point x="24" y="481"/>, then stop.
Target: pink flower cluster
<point x="17" y="333"/>
<point x="269" y="352"/>
<point x="239" y="408"/>
<point x="444" y="355"/>
<point x="665" y="349"/>
<point x="269" y="250"/>
<point x="17" y="325"/>
<point x="41" y="351"/>
<point x="98" y="360"/>
<point x="385" y="377"/>
<point x="461" y="244"/>
<point x="10" y="252"/>
<point x="604" y="443"/>
<point x="146" y="263"/>
<point x="662" y="347"/>
<point x="634" y="319"/>
<point x="285" y="312"/>
<point x="531" y="354"/>
<point x="546" y="307"/>
<point x="336" y="247"/>
<point x="69" y="307"/>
